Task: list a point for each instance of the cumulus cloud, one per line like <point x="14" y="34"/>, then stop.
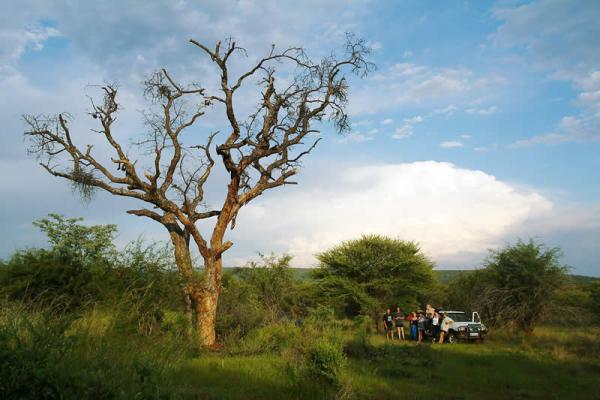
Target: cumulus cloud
<point x="456" y="214"/>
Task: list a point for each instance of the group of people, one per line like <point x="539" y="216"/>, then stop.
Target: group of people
<point x="433" y="321"/>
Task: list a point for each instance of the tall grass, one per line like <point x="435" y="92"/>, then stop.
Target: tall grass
<point x="51" y="355"/>
<point x="103" y="354"/>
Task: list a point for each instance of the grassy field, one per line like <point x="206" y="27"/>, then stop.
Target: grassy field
<point x="549" y="364"/>
<point x="59" y="357"/>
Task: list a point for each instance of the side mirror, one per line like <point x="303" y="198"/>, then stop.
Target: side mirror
<point x="476" y="317"/>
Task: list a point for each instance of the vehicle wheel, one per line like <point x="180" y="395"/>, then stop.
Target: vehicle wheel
<point x="452" y="338"/>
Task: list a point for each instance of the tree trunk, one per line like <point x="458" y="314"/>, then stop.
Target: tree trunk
<point x="183" y="259"/>
<point x="206" y="313"/>
<point x="205" y="299"/>
<point x="203" y="294"/>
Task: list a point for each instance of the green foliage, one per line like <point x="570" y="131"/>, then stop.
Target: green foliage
<point x="86" y="244"/>
<point x="360" y="276"/>
<point x="239" y="309"/>
<point x="259" y="294"/>
<point x="516" y="286"/>
<point x="271" y="279"/>
<point x="325" y="361"/>
<point x="43" y="357"/>
<point x="48" y="278"/>
<point x="141" y="279"/>
<point x="527" y="274"/>
<point x="272" y="338"/>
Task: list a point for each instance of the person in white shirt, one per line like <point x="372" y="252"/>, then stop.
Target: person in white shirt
<point x="445" y="326"/>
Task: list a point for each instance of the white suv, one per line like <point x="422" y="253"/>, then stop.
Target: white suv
<point x="464" y="328"/>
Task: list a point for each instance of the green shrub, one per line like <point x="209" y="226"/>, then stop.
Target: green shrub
<point x="48" y="278"/>
<point x="43" y="357"/>
<point x="268" y="339"/>
<point x="324" y="362"/>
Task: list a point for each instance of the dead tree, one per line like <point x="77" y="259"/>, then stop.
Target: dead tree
<point x="259" y="152"/>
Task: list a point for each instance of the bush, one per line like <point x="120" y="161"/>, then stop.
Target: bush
<point x="49" y="278"/>
<point x="42" y="356"/>
<point x="325" y="361"/>
<point x="516" y="287"/>
<point x="139" y="284"/>
<point x="272" y="338"/>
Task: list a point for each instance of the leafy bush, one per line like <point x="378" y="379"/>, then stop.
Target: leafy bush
<point x="43" y="357"/>
<point x="325" y="361"/>
<point x="49" y="278"/>
<point x="83" y="270"/>
<point x="360" y="276"/>
<point x="516" y="286"/>
<point x="272" y="338"/>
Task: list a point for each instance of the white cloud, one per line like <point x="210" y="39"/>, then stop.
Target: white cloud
<point x="403" y="132"/>
<point x="466" y="136"/>
<point x="482" y="111"/>
<point x="407" y="129"/>
<point x="448" y="110"/>
<point x="451" y="144"/>
<point x="387" y="121"/>
<point x="412" y="84"/>
<point x="482" y="149"/>
<point x="417" y="119"/>
<point x="355" y="137"/>
<point x="455" y="214"/>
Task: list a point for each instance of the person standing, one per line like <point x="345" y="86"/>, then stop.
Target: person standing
<point x="388" y="324"/>
<point x="435" y="326"/>
<point x="399" y="318"/>
<point x="413" y="325"/>
<point x="445" y="326"/>
<point x="421" y="327"/>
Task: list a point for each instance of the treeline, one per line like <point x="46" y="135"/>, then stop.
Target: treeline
<point x="520" y="285"/>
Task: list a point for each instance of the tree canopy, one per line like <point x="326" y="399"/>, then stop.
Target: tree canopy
<point x="515" y="286"/>
<point x="360" y="276"/>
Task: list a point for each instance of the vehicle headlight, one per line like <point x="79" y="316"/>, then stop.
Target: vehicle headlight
<point x="483" y="327"/>
<point x="462" y="328"/>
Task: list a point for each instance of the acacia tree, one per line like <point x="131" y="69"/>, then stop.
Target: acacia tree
<point x="260" y="151"/>
<point x="363" y="275"/>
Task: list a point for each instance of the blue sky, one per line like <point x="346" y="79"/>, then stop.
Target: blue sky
<point x="480" y="125"/>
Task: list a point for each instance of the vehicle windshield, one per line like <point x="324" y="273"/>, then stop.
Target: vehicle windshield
<point x="459" y="317"/>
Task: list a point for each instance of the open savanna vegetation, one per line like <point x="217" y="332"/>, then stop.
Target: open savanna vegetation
<point x="83" y="320"/>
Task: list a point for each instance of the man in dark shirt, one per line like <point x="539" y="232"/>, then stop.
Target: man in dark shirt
<point x="388" y="323"/>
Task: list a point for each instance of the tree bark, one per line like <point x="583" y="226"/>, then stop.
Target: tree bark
<point x="203" y="294"/>
<point x="206" y="298"/>
<point x="183" y="259"/>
